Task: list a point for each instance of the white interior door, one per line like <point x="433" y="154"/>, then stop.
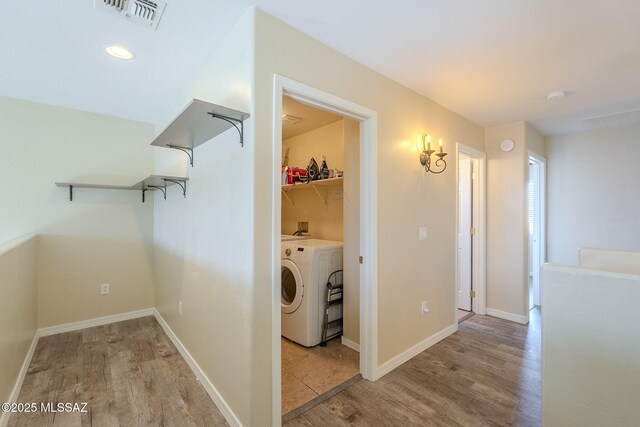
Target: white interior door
<point x="536" y="258"/>
<point x="465" y="207"/>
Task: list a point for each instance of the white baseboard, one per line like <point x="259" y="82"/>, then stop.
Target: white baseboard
<point x="4" y="416"/>
<point x="398" y="360"/>
<point x="507" y="316"/>
<point x="202" y="377"/>
<point x="348" y="343"/>
<point x="89" y="323"/>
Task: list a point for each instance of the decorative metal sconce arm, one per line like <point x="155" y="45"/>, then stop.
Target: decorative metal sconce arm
<point x="440" y="164"/>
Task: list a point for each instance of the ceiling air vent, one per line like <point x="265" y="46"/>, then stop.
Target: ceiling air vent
<point x="292" y="120"/>
<point x="143" y="12"/>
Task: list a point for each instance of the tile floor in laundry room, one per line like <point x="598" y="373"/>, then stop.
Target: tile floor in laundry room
<point x="309" y="372"/>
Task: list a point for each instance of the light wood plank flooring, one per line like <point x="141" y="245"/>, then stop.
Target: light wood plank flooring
<point x="486" y="374"/>
<point x="129" y="373"/>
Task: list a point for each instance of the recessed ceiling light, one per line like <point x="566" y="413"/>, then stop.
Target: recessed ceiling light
<point x="119" y="52"/>
<point x="556" y="95"/>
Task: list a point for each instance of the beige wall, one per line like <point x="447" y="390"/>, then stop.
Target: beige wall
<point x="103" y="236"/>
<point x="593" y="192"/>
<point x="407" y="197"/>
<point x="507" y="230"/>
<point x="203" y="244"/>
<point x="325" y="141"/>
<point x="325" y="221"/>
<point x="534" y="140"/>
<point x="19" y="313"/>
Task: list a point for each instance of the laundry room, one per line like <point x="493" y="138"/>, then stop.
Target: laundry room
<point x="319" y="247"/>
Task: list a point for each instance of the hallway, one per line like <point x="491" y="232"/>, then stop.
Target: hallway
<point x="486" y="374"/>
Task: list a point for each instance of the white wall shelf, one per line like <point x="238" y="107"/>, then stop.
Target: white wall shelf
<point x="199" y="122"/>
<point x="153" y="182"/>
<point x="321" y="188"/>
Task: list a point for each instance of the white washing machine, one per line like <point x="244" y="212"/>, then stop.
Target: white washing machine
<point x="288" y="238"/>
<point x="306" y="266"/>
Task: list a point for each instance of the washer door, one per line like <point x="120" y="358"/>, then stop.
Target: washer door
<point x="291" y="286"/>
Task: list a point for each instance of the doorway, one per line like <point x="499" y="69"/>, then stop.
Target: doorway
<point x="320" y="235"/>
<point x="367" y="238"/>
<point x="470" y="232"/>
<point x="536" y="225"/>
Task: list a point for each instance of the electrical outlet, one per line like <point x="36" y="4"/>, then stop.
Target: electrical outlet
<point x="180" y="308"/>
<point x="423" y="308"/>
<point x="422" y="233"/>
<point x="104" y="289"/>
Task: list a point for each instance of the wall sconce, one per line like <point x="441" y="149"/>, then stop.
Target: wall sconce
<point x="425" y="156"/>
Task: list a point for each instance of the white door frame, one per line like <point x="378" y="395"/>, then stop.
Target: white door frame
<point x="479" y="257"/>
<point x="542" y="191"/>
<point x="368" y="226"/>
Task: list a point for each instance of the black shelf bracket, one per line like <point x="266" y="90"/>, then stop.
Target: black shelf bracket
<point x="71" y="193"/>
<point x="188" y="151"/>
<point x="233" y="122"/>
<point x="181" y="183"/>
<point x="158" y="187"/>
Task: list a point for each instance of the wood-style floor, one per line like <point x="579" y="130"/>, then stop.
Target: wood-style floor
<point x="129" y="373"/>
<point x="486" y="374"/>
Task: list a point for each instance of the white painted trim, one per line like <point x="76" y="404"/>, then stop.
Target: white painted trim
<point x="348" y="343"/>
<point x="479" y="270"/>
<point x="543" y="212"/>
<point x="98" y="321"/>
<point x="215" y="395"/>
<point x="507" y="316"/>
<point x="13" y="397"/>
<point x="368" y="226"/>
<point x="410" y="353"/>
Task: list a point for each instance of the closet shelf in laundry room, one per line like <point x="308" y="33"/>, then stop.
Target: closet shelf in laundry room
<point x="321" y="188"/>
<point x="199" y="122"/>
<point x="152" y="183"/>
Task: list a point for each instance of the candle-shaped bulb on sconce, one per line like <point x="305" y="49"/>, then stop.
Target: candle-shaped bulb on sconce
<point x="428" y="142"/>
<point x="440" y="143"/>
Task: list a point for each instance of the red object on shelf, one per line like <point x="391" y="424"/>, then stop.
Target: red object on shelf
<point x="295" y="175"/>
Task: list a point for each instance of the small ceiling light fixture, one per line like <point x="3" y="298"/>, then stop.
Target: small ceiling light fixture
<point x="425" y="156"/>
<point x="556" y="95"/>
<point x="119" y="52"/>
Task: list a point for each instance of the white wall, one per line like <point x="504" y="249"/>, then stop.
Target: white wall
<point x="325" y="221"/>
<point x="591" y="355"/>
<point x="203" y="244"/>
<point x="103" y="236"/>
<point x="19" y="313"/>
<point x="593" y="191"/>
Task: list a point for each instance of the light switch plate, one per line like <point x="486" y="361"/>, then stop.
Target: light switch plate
<point x="422" y="233"/>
